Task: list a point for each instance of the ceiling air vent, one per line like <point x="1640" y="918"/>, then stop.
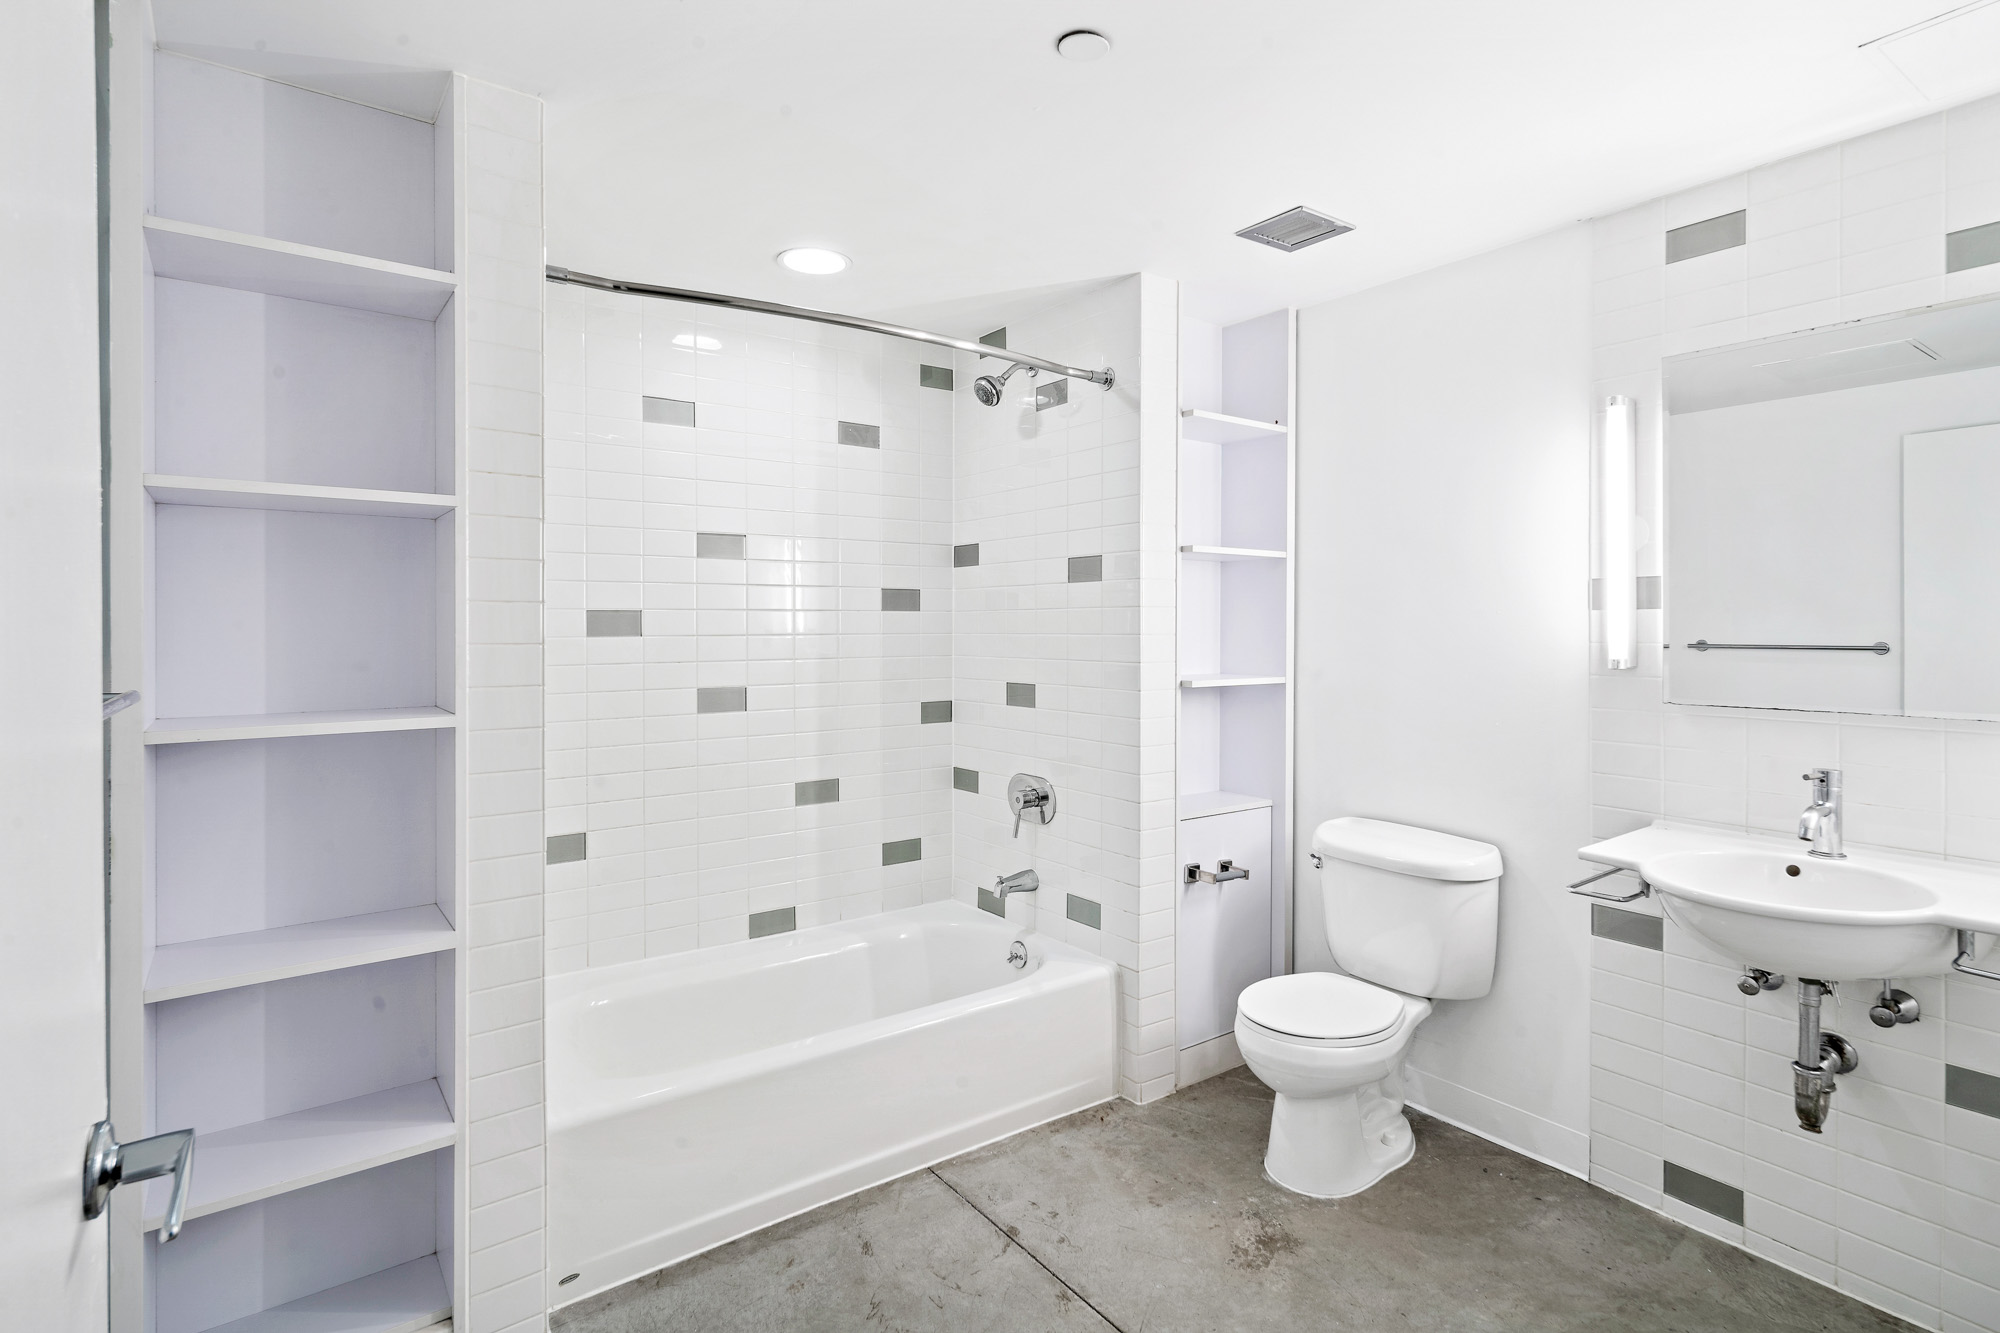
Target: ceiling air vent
<point x="1295" y="229"/>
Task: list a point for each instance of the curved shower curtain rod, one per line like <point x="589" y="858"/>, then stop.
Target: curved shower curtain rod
<point x="556" y="274"/>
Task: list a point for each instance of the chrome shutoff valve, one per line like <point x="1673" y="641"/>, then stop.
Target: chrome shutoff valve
<point x="1894" y="1006"/>
<point x="1756" y="981"/>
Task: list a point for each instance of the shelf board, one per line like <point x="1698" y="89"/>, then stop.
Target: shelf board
<point x="1217" y="428"/>
<point x="245" y="1163"/>
<point x="196" y="967"/>
<point x="1201" y="804"/>
<point x="194" y="253"/>
<point x="402" y="1299"/>
<point x="218" y="493"/>
<point x="1229" y="553"/>
<point x="262" y="726"/>
<point x="1224" y="682"/>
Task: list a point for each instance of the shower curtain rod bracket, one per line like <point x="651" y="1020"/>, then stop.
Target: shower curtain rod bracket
<point x="555" y="273"/>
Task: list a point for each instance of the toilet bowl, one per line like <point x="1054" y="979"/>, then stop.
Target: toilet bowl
<point x="1410" y="916"/>
<point x="1331" y="1048"/>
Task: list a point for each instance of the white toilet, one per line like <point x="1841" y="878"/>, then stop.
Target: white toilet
<point x="1411" y="916"/>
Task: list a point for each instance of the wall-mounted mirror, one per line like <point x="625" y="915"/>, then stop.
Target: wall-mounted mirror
<point x="1833" y="518"/>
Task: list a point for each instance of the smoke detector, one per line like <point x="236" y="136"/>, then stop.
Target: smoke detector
<point x="1295" y="229"/>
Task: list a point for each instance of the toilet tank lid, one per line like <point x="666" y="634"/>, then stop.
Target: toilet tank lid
<point x="1407" y="850"/>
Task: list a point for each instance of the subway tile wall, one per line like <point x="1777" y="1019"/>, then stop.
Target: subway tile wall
<point x="1067" y="677"/>
<point x="1898" y="1202"/>
<point x="741" y="608"/>
<point x="866" y="601"/>
<point x="502" y="1252"/>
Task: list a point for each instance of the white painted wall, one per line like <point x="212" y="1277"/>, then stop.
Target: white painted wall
<point x="52" y="1262"/>
<point x="1443" y="557"/>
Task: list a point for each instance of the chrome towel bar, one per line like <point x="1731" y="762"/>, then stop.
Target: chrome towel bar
<point x="1878" y="648"/>
<point x="1577" y="888"/>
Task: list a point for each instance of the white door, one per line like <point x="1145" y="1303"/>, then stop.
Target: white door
<point x="52" y="1262"/>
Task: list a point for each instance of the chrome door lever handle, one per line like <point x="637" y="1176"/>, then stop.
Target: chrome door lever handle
<point x="107" y="1164"/>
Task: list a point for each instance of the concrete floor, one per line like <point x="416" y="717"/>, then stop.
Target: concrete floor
<point x="1159" y="1218"/>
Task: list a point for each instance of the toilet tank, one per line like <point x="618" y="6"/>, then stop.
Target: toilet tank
<point x="1408" y="908"/>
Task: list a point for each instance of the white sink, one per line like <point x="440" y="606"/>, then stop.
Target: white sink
<point x="1763" y="902"/>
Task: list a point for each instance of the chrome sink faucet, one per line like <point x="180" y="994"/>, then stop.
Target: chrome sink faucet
<point x="1819" y="824"/>
<point x="1021" y="881"/>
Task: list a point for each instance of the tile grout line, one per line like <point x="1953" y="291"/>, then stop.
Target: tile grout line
<point x="1016" y="1242"/>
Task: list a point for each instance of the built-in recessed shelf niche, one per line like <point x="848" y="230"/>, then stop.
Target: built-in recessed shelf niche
<point x="296" y="854"/>
<point x="254" y="387"/>
<point x="1234" y="664"/>
<point x="364" y="1253"/>
<point x="261" y="612"/>
<point x="292" y="1087"/>
<point x="243" y="153"/>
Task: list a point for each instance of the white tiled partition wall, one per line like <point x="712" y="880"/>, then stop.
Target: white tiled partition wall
<point x="749" y="622"/>
<point x="1063" y="647"/>
<point x="1898" y="1201"/>
<point x="505" y="1276"/>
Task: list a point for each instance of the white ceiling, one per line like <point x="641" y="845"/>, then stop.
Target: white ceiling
<point x="946" y="148"/>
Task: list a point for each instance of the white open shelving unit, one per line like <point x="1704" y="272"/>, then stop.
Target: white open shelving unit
<point x="287" y="588"/>
<point x="1237" y="475"/>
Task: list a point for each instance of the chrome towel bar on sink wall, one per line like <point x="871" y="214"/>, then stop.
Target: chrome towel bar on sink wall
<point x="1644" y="890"/>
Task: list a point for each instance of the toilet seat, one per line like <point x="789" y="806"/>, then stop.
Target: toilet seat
<point x="1323" y="1009"/>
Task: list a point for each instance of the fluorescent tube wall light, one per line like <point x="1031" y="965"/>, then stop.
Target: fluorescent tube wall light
<point x="1617" y="567"/>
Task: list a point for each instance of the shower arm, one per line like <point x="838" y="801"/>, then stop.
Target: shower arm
<point x="555" y="274"/>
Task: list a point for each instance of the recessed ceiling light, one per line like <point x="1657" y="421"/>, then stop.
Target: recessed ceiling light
<point x="1083" y="44"/>
<point x="806" y="259"/>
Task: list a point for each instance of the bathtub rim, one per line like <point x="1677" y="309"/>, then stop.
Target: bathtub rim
<point x="1060" y="966"/>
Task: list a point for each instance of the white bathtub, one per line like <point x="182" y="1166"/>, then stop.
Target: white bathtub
<point x="694" y="1098"/>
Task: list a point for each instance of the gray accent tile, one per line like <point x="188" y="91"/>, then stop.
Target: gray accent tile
<point x="934" y="710"/>
<point x="934" y="377"/>
<point x="669" y="412"/>
<point x="1704" y="1192"/>
<point x="718" y="545"/>
<point x="966" y="556"/>
<point x="1706" y="237"/>
<point x="990" y="901"/>
<point x="1648" y="593"/>
<point x="721" y="699"/>
<point x="613" y="624"/>
<point x="1053" y="394"/>
<point x="902" y="599"/>
<point x="1084" y="912"/>
<point x="1972" y="247"/>
<point x="903" y="852"/>
<point x="860" y="435"/>
<point x="567" y="847"/>
<point x="1086" y="569"/>
<point x="1970" y="1090"/>
<point x="965" y="779"/>
<point x="997" y="338"/>
<point x="1019" y="695"/>
<point x="1615" y="923"/>
<point x="820" y="791"/>
<point x="774" y="922"/>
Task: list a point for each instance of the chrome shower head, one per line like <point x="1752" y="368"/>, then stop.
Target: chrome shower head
<point x="987" y="388"/>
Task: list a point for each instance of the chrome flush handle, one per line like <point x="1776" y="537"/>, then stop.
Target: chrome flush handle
<point x="107" y="1164"/>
